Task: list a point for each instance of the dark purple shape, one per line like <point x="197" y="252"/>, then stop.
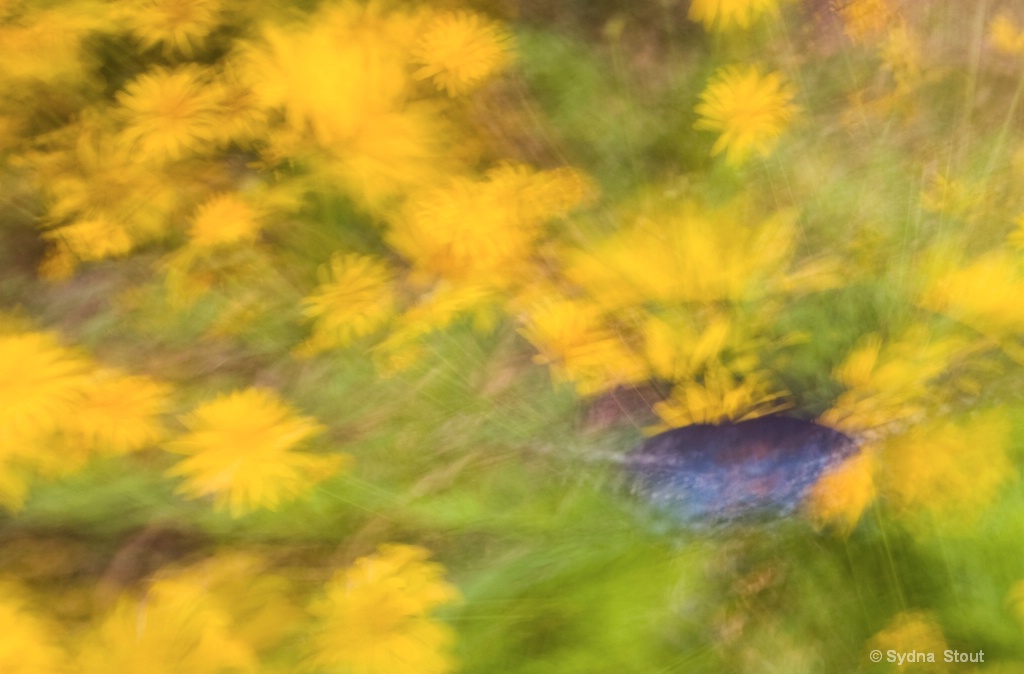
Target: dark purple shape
<point x="718" y="473"/>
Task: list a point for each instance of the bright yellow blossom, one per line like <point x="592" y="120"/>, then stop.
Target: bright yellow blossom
<point x="178" y="25"/>
<point x="840" y="496"/>
<point x="94" y="238"/>
<point x="913" y="631"/>
<point x="224" y="219"/>
<point x="951" y="470"/>
<point x="1005" y="35"/>
<point x="169" y="114"/>
<point x="241" y="450"/>
<point x="984" y="294"/>
<point x="28" y="644"/>
<point x="173" y="629"/>
<point x="720" y="395"/>
<point x="726" y="14"/>
<point x="375" y="616"/>
<point x="119" y="413"/>
<point x="355" y="298"/>
<point x="750" y="111"/>
<point x="459" y="50"/>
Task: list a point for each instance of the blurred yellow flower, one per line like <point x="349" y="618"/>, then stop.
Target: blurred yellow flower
<point x="459" y="50"/>
<point x="119" y="413"/>
<point x="750" y="111"/>
<point x="985" y="294"/>
<point x="866" y="19"/>
<point x="678" y="350"/>
<point x="178" y="25"/>
<point x="222" y="220"/>
<point x="726" y="14"/>
<point x="682" y="253"/>
<point x="240" y="450"/>
<point x="173" y="629"/>
<point x="41" y="383"/>
<point x="93" y="238"/>
<point x="840" y="496"/>
<point x="950" y="470"/>
<point x="913" y="631"/>
<point x="45" y="46"/>
<point x="355" y="298"/>
<point x="890" y="383"/>
<point x="574" y="341"/>
<point x="28" y="644"/>
<point x="951" y="197"/>
<point x="375" y="616"/>
<point x="720" y="395"/>
<point x="484" y="231"/>
<point x="169" y="114"/>
<point x="1005" y="36"/>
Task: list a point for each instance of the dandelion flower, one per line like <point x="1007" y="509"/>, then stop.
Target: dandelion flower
<point x="984" y="294"/>
<point x="748" y="110"/>
<point x="839" y="497"/>
<point x="355" y="298"/>
<point x="174" y="628"/>
<point x="1005" y="36"/>
<point x="224" y="219"/>
<point x="179" y="25"/>
<point x="460" y="50"/>
<point x="119" y="413"/>
<point x="241" y="450"/>
<point x="951" y="470"/>
<point x="40" y="383"/>
<point x="375" y="616"/>
<point x="93" y="238"/>
<point x="169" y="113"/>
<point x="27" y="644"/>
<point x="725" y="14"/>
<point x="720" y="395"/>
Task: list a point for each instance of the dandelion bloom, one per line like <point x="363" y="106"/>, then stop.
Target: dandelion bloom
<point x="749" y="110"/>
<point x="725" y="14"/>
<point x="224" y="219"/>
<point x="120" y="413"/>
<point x="1005" y="36"/>
<point x="840" y="496"/>
<point x="985" y="294"/>
<point x="27" y="642"/>
<point x="169" y="113"/>
<point x="93" y="238"/>
<point x="355" y="297"/>
<point x="240" y="449"/>
<point x="720" y="395"/>
<point x="174" y="628"/>
<point x="375" y="616"/>
<point x="459" y="50"/>
<point x="178" y="25"/>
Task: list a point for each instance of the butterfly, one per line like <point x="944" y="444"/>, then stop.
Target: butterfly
<point x="759" y="468"/>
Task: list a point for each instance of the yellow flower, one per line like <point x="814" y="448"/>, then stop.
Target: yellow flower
<point x="725" y="14"/>
<point x="119" y="413"/>
<point x="678" y="351"/>
<point x="864" y="20"/>
<point x="913" y="631"/>
<point x="241" y="451"/>
<point x="179" y="25"/>
<point x="685" y="254"/>
<point x="459" y="50"/>
<point x="840" y="496"/>
<point x="574" y="341"/>
<point x="985" y="295"/>
<point x="224" y="219"/>
<point x="27" y="642"/>
<point x="484" y="231"/>
<point x="45" y="45"/>
<point x="93" y="238"/>
<point x="1005" y="36"/>
<point x="719" y="396"/>
<point x="891" y="383"/>
<point x="375" y="616"/>
<point x="173" y="629"/>
<point x="951" y="470"/>
<point x="40" y="384"/>
<point x="355" y="298"/>
<point x="169" y="114"/>
<point x="748" y="110"/>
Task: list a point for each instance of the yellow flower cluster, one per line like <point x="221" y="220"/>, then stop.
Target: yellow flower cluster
<point x="459" y="50"/>
<point x="375" y="616"/>
<point x="58" y="408"/>
<point x="241" y="450"/>
<point x="719" y="15"/>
